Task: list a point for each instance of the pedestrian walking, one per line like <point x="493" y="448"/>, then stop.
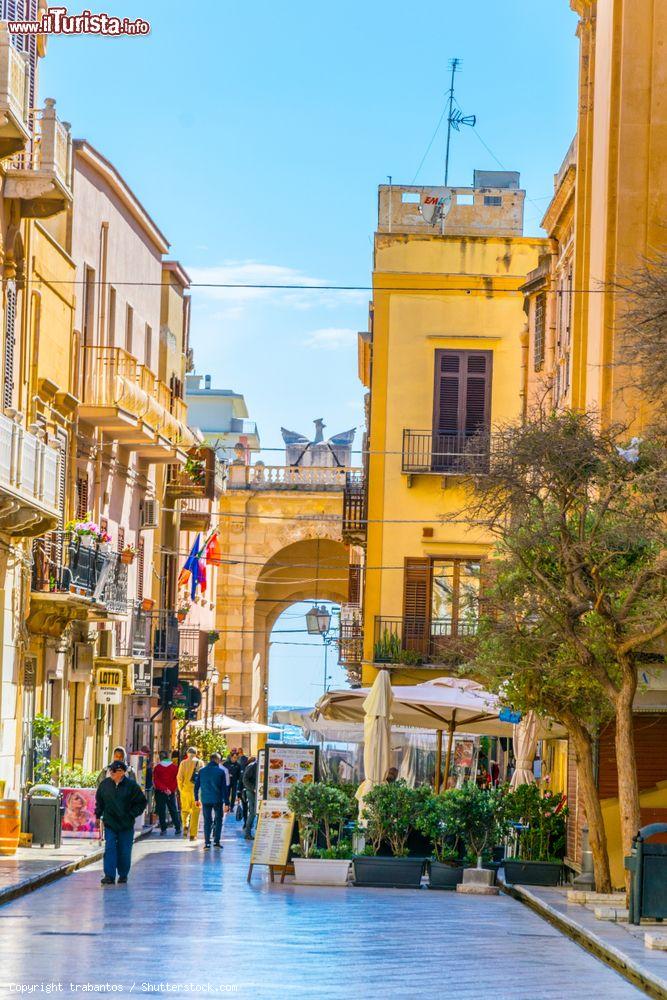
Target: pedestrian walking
<point x="250" y="789"/>
<point x="165" y="783"/>
<point x="118" y="802"/>
<point x="119" y="753"/>
<point x="234" y="771"/>
<point x="186" y="790"/>
<point x="212" y="790"/>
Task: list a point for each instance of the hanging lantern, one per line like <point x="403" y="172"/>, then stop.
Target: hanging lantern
<point x="318" y="621"/>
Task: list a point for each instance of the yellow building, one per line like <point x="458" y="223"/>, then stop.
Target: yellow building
<point x="442" y="364"/>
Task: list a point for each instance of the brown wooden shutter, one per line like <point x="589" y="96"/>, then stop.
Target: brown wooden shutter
<point x="462" y="403"/>
<point x="354" y="584"/>
<point x="121" y="539"/>
<point x="10" y="342"/>
<point x="416" y="593"/>
<point x="477" y="393"/>
<point x="81" y="497"/>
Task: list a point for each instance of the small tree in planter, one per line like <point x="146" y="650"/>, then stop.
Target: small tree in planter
<point x="434" y="820"/>
<point x="320" y="807"/>
<point x="389" y="812"/>
<point x="476" y="816"/>
<point x="541" y="838"/>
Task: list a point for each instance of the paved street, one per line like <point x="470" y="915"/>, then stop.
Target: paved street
<point x="189" y="917"/>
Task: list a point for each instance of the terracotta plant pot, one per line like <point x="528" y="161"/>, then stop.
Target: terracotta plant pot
<point x="181" y="615"/>
<point x="147" y="604"/>
<point x="127" y="558"/>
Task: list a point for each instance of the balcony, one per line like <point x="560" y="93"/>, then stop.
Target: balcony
<point x="135" y="639"/>
<point x="166" y="637"/>
<point x="74" y="578"/>
<point x="195" y="514"/>
<point x="416" y="641"/>
<point x="309" y="478"/>
<point x="29" y="473"/>
<point x="201" y="478"/>
<point x="354" y="509"/>
<point x="126" y="400"/>
<point x="432" y="453"/>
<point x="14" y="100"/>
<point x="193" y="659"/>
<point x="41" y="175"/>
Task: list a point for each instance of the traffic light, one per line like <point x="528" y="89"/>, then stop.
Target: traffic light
<point x="166" y="682"/>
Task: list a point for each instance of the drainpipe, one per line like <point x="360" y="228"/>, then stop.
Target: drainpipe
<point x="36" y="308"/>
<point x="102" y="309"/>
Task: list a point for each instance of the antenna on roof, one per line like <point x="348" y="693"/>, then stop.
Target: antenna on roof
<point x="455" y="117"/>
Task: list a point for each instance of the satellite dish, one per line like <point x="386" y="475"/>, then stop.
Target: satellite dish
<point x="435" y="204"/>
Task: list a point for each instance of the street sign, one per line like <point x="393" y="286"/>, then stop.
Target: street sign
<point x="143" y="678"/>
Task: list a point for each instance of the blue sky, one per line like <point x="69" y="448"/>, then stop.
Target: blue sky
<point x="256" y="135"/>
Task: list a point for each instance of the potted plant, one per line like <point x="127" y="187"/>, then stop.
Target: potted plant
<point x="213" y="637"/>
<point x="88" y="532"/>
<point x="435" y="821"/>
<point x="182" y="610"/>
<point x="539" y="821"/>
<point x="128" y="554"/>
<point x="389" y="813"/>
<point x="195" y="468"/>
<point x="147" y="604"/>
<point x="320" y="809"/>
<point x="477" y="817"/>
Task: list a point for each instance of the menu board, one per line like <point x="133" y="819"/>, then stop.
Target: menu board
<point x="273" y="836"/>
<point x="287" y="765"/>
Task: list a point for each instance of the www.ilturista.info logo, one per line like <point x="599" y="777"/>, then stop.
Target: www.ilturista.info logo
<point x="56" y="21"/>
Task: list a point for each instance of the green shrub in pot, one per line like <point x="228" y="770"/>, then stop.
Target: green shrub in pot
<point x="390" y="811"/>
<point x="434" y="820"/>
<point x="318" y="807"/>
<point x="541" y="835"/>
<point x="476" y="816"/>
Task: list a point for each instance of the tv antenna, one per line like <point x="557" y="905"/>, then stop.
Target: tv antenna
<point x="455" y="117"/>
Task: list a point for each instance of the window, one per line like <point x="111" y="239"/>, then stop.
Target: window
<point x="10" y="344"/>
<point x="129" y="329"/>
<point x="465" y="199"/>
<point x="440" y="601"/>
<point x="88" y="318"/>
<point x="81" y="497"/>
<point x="148" y="346"/>
<point x="493" y="200"/>
<point x="111" y="330"/>
<point x="461" y="409"/>
<point x="540" y="329"/>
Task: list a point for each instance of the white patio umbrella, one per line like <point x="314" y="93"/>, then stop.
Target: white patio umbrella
<point x="444" y="704"/>
<point x="377" y="706"/>
<point x="525" y="745"/>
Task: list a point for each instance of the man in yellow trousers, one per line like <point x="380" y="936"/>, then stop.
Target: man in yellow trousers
<point x="186" y="790"/>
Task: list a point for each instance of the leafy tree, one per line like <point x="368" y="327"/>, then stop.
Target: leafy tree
<point x="319" y="806"/>
<point x="435" y="821"/>
<point x="206" y="741"/>
<point x="580" y="523"/>
<point x="543" y="815"/>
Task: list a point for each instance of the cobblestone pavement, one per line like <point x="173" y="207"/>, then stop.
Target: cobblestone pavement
<point x="187" y="918"/>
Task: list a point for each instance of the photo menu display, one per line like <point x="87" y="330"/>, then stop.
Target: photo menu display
<point x="287" y="766"/>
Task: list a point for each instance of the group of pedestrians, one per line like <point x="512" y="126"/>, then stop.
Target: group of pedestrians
<point x="181" y="789"/>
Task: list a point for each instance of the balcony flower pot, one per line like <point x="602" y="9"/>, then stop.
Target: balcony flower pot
<point x="532" y="872"/>
<point x="444" y="876"/>
<point x="181" y="615"/>
<point x="147" y="604"/>
<point x="127" y="556"/>
<point x="388" y="873"/>
<point x="321" y="871"/>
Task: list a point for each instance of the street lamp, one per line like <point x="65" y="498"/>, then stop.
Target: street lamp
<point x="225" y="684"/>
<point x="318" y="620"/>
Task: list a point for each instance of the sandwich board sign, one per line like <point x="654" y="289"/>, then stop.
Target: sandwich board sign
<point x="273" y="836"/>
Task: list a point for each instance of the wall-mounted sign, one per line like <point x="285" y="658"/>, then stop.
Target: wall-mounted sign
<point x="143" y="677"/>
<point x="109" y="685"/>
<point x="81" y="667"/>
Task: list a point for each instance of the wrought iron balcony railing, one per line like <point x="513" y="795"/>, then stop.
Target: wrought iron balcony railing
<point x="135" y="637"/>
<point x="354" y="509"/>
<point x="445" y="454"/>
<point x="65" y="563"/>
<point x="418" y="640"/>
<point x="166" y="636"/>
<point x="194" y="650"/>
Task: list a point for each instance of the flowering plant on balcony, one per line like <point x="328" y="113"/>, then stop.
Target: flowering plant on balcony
<point x="196" y="470"/>
<point x="128" y="554"/>
<point x="88" y="529"/>
<point x="182" y="609"/>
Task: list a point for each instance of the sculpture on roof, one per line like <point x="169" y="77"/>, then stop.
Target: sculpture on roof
<point x="336" y="451"/>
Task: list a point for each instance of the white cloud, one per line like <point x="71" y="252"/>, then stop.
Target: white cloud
<point x="253" y="272"/>
<point x="330" y="338"/>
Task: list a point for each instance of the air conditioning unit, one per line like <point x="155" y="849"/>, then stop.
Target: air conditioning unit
<point x="149" y="513"/>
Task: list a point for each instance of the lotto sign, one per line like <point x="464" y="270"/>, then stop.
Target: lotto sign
<point x="108" y="686"/>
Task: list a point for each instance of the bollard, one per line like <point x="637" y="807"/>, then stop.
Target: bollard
<point x="586" y="880"/>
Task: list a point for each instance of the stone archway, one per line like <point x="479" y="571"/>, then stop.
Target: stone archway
<point x="279" y="548"/>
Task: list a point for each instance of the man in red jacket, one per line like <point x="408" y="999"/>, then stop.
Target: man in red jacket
<point x="165" y="783"/>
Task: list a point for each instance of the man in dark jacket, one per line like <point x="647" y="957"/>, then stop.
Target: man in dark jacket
<point x="234" y="770"/>
<point x="118" y="802"/>
<point x="250" y="793"/>
<point x="212" y="789"/>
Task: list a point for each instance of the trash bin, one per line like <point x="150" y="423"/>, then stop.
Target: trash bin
<point x="648" y="885"/>
<point x="45" y="809"/>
